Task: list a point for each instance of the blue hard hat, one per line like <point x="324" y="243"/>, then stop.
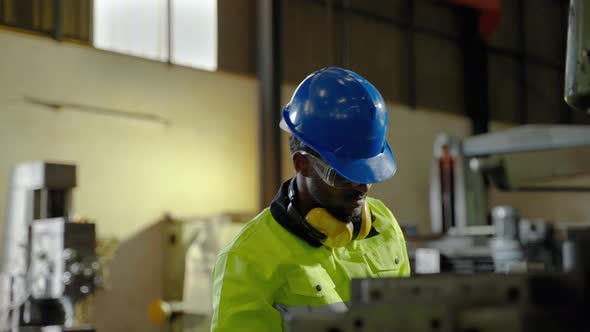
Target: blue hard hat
<point x="342" y="117"/>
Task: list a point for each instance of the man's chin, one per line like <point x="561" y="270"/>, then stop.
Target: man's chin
<point x="356" y="207"/>
<point x="345" y="213"/>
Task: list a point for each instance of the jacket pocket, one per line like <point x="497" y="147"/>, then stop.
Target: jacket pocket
<point x="386" y="258"/>
<point x="311" y="281"/>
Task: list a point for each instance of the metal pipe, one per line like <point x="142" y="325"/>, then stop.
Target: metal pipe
<point x="522" y="65"/>
<point x="57" y="20"/>
<point x="269" y="76"/>
<point x="169" y="30"/>
<point x="411" y="35"/>
<point x="345" y="39"/>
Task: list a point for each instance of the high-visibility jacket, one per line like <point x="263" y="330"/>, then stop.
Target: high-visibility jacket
<point x="266" y="267"/>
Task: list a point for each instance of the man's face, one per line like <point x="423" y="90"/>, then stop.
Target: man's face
<point x="344" y="201"/>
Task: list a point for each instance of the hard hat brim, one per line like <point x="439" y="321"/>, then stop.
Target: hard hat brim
<point x="371" y="170"/>
<point x="284" y="126"/>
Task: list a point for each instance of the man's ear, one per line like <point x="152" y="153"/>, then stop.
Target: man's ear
<point x="301" y="164"/>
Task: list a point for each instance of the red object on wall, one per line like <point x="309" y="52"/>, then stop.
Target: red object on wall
<point x="490" y="14"/>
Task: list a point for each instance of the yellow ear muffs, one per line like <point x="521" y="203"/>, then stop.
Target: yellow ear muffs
<point x="338" y="233"/>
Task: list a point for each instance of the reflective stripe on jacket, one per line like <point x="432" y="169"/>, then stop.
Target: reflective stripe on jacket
<point x="266" y="266"/>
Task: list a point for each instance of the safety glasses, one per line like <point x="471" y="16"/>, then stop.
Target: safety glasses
<point x="327" y="173"/>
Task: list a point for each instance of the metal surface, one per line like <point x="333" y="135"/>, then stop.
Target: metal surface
<point x="525" y="139"/>
<point x="506" y="248"/>
<point x="529" y="157"/>
<point x="410" y="317"/>
<point x="345" y="23"/>
<point x="505" y="220"/>
<point x="269" y="76"/>
<point x="523" y="103"/>
<point x="459" y="254"/>
<point x="577" y="78"/>
<point x="411" y="53"/>
<point x="576" y="254"/>
<point x="455" y="303"/>
<point x="58" y="30"/>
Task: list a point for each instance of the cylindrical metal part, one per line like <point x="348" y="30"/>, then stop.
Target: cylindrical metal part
<point x="506" y="249"/>
<point x="574" y="251"/>
<point x="505" y="220"/>
<point x="568" y="251"/>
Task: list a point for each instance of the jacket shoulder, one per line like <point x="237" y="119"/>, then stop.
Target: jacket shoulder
<point x="380" y="209"/>
<point x="261" y="240"/>
<point x="384" y="214"/>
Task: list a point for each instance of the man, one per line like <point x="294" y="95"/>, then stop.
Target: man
<point x="321" y="229"/>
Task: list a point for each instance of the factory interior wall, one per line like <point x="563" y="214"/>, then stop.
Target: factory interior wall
<point x="130" y="172"/>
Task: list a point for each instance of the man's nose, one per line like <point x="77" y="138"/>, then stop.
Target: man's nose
<point x="362" y="187"/>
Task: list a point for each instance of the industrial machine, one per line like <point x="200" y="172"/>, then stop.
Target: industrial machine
<point x="48" y="261"/>
<point x="472" y="237"/>
<point x="485" y="303"/>
<point x="513" y="160"/>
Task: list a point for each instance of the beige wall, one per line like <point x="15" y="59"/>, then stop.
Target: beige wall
<point x="129" y="171"/>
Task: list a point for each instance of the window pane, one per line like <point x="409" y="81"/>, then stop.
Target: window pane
<point x="194" y="33"/>
<point x="136" y="27"/>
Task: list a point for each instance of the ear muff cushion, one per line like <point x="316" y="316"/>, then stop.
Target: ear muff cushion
<point x="366" y="222"/>
<point x="339" y="233"/>
<point x="305" y="230"/>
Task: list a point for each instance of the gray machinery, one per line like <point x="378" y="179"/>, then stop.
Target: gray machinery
<point x="518" y="159"/>
<point x="577" y="75"/>
<point x="511" y="160"/>
<point x="48" y="262"/>
<point x="449" y="303"/>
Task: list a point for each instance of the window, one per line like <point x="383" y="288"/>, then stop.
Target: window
<point x="142" y="28"/>
<point x="194" y="33"/>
